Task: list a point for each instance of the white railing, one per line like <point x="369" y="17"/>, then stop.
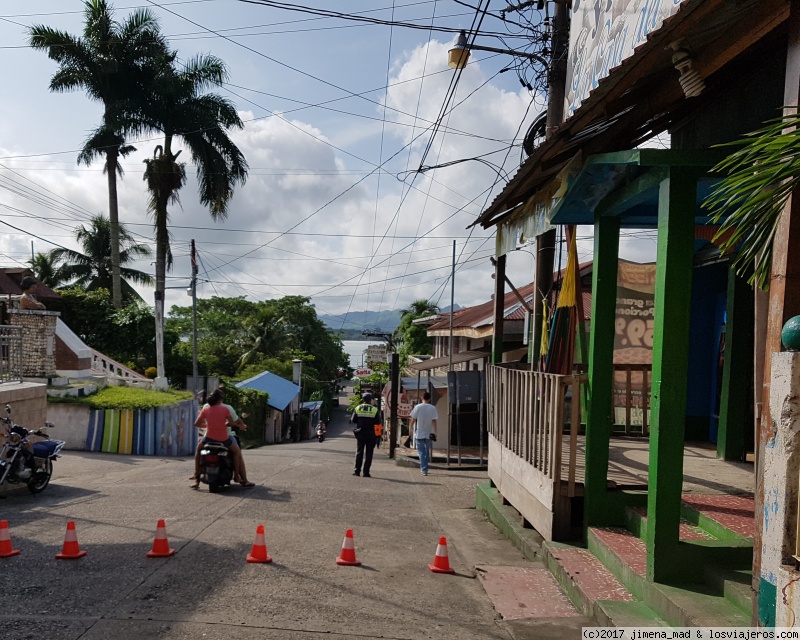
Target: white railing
<point x="113" y="370"/>
<point x="526" y="414"/>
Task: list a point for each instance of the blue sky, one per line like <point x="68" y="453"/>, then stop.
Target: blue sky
<point x="373" y="241"/>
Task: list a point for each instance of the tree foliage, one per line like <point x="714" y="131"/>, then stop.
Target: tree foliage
<point x="413" y="339"/>
<point x="748" y="202"/>
<point x="240" y="339"/>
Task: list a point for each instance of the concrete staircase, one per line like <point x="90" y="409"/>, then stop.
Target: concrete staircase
<point x="607" y="580"/>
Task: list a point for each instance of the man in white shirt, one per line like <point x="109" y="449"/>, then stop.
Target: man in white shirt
<point x="423" y="424"/>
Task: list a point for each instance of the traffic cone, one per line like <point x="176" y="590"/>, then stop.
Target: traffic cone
<point x="6" y="550"/>
<point x="441" y="564"/>
<point x="259" y="551"/>
<point x="160" y="543"/>
<point x="348" y="555"/>
<point x="70" y="550"/>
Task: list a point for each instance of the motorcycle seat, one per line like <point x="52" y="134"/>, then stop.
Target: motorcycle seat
<point x="45" y="448"/>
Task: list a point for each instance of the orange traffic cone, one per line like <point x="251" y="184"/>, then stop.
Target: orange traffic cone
<point x="259" y="551"/>
<point x="6" y="550"/>
<point x="70" y="550"/>
<point x="348" y="555"/>
<point x="160" y="543"/>
<point x="441" y="564"/>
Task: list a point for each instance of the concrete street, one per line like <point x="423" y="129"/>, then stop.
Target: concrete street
<point x="306" y="497"/>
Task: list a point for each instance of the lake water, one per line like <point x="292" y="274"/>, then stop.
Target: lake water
<point x="355" y="349"/>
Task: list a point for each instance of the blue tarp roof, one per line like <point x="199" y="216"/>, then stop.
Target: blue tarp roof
<point x="281" y="392"/>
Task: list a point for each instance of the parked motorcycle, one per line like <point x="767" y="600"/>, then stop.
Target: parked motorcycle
<point x="24" y="461"/>
<point x="216" y="466"/>
<point x="321" y="431"/>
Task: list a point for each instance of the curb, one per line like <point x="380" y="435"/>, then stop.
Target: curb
<point x="489" y="501"/>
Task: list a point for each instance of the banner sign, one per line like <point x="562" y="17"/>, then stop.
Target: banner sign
<point x="362" y="373"/>
<point x="602" y="34"/>
<point x="633" y="335"/>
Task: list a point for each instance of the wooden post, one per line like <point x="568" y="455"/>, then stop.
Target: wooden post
<point x="601" y="368"/>
<point x="499" y="309"/>
<point x="736" y="389"/>
<point x="676" y="207"/>
<point x="784" y="292"/>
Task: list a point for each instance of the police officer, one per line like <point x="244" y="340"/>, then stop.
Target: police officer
<point x="365" y="416"/>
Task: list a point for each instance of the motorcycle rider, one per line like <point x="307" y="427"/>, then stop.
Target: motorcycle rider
<point x="365" y="416"/>
<point x="214" y="417"/>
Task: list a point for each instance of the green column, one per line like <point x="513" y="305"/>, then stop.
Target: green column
<point x="599" y="420"/>
<point x="676" y="211"/>
<point x="737" y="380"/>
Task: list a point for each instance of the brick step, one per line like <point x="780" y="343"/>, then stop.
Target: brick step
<point x="636" y="519"/>
<point x="725" y="517"/>
<point x="583" y="577"/>
<point x="615" y="613"/>
<point x="683" y="605"/>
<point x="735" y="585"/>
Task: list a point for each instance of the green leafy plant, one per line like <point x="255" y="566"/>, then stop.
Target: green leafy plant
<point x="759" y="178"/>
<point x="127" y="398"/>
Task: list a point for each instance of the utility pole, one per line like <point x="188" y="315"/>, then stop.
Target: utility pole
<point x="395" y="397"/>
<point x="450" y="348"/>
<point x="546" y="243"/>
<point x="194" y="314"/>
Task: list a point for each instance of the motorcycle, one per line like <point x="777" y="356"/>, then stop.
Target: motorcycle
<point x="321" y="431"/>
<point x="216" y="466"/>
<point x="24" y="461"/>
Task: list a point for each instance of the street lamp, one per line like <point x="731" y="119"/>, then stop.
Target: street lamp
<point x="459" y="54"/>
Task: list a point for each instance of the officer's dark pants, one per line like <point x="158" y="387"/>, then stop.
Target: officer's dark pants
<point x="366" y="447"/>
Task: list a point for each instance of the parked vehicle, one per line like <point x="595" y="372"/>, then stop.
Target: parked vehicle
<point x="23" y="461"/>
<point x="321" y="431"/>
<point x="216" y="466"/>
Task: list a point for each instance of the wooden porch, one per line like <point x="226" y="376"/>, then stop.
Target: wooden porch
<point x="537" y="455"/>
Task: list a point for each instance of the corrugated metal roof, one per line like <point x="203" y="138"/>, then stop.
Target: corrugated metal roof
<point x="281" y="392"/>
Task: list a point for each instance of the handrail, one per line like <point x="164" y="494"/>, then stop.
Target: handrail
<point x="108" y="366"/>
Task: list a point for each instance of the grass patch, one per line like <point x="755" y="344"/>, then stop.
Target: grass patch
<point x="127" y="398"/>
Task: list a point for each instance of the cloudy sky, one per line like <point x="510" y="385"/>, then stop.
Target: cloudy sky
<point x="337" y="116"/>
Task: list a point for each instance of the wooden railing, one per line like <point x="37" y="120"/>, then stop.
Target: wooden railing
<point x="526" y="414"/>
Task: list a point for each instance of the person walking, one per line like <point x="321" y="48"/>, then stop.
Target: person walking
<point x="365" y="416"/>
<point x="423" y="425"/>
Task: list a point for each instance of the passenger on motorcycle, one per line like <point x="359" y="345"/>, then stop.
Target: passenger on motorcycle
<point x="214" y="417"/>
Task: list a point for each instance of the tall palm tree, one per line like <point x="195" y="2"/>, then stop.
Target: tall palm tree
<point x="178" y="107"/>
<point x="91" y="269"/>
<point x="48" y="270"/>
<point x="107" y="62"/>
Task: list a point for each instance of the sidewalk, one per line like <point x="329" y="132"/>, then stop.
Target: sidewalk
<point x="470" y="457"/>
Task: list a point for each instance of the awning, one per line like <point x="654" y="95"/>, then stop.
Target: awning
<point x="463" y="356"/>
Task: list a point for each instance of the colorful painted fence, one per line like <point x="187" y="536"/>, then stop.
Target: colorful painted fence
<point x="163" y="431"/>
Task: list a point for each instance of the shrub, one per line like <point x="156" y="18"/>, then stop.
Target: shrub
<point x="151" y="372"/>
<point x="128" y="398"/>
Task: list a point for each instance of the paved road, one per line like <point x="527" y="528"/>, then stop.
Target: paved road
<point x="306" y="497"/>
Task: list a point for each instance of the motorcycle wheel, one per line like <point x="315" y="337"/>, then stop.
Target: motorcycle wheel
<point x="41" y="478"/>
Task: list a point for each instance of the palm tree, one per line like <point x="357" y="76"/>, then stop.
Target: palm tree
<point x="92" y="269"/>
<point x="414" y="338"/>
<point x="47" y="270"/>
<point x="759" y="178"/>
<point x="107" y="62"/>
<point x="177" y="106"/>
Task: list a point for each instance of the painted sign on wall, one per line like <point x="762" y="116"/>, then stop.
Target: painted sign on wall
<point x="633" y="335"/>
<point x="602" y="34"/>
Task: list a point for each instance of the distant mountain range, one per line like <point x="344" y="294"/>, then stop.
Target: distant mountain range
<point x="381" y="321"/>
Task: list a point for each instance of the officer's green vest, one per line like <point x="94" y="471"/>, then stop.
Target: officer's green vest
<point x="366" y="411"/>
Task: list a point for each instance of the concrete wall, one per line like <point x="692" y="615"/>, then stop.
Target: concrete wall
<point x="28" y="402"/>
<point x="38" y="341"/>
<point x="781" y="477"/>
<point x="71" y="421"/>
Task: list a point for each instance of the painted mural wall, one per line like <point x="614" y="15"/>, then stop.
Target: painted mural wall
<point x="602" y="34"/>
<point x="163" y="431"/>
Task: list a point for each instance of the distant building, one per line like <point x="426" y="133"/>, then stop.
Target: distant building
<point x="375" y="353"/>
